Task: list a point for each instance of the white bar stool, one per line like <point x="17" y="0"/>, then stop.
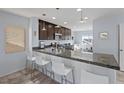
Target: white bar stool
<point x="41" y="63"/>
<point x="60" y="69"/>
<point x="30" y="60"/>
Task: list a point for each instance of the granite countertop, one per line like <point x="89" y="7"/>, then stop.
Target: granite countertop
<point x="104" y="60"/>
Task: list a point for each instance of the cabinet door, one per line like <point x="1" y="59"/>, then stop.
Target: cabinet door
<point x="63" y="33"/>
<point x="55" y="30"/>
<point x="42" y="33"/>
<point x="46" y="32"/>
<point x="50" y="32"/>
<point x="66" y="33"/>
<point x="70" y="34"/>
<point x="59" y="30"/>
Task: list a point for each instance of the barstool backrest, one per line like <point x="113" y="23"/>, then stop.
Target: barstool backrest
<point x="58" y="67"/>
<point x="38" y="59"/>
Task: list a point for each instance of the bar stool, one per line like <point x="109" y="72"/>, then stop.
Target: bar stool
<point x="41" y="63"/>
<point x="60" y="69"/>
<point x="30" y="60"/>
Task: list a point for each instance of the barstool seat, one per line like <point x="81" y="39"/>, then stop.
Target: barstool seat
<point x="60" y="69"/>
<point x="41" y="63"/>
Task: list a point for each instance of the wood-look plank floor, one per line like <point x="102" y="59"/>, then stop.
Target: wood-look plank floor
<point x="23" y="77"/>
<point x="120" y="77"/>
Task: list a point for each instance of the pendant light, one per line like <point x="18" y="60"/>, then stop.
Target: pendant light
<point x="43" y="26"/>
<point x="81" y="19"/>
<point x="58" y="26"/>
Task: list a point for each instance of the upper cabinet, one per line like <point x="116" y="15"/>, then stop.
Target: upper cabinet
<point x="42" y="33"/>
<point x="50" y="31"/>
<point x="47" y="31"/>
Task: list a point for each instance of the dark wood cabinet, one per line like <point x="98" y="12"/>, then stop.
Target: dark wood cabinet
<point x="51" y="29"/>
<point x="50" y="32"/>
<point x="55" y="29"/>
<point x="42" y="33"/>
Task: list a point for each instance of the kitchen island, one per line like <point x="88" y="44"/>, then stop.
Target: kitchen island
<point x="101" y="64"/>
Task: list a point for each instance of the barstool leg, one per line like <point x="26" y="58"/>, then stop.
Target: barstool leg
<point x="32" y="69"/>
<point x="62" y="78"/>
<point x="53" y="76"/>
<point x="65" y="80"/>
<point x="42" y="70"/>
<point x="73" y="76"/>
<point x="45" y="69"/>
<point x="26" y="65"/>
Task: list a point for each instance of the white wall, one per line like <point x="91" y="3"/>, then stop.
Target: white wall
<point x="35" y="28"/>
<point x="78" y="35"/>
<point x="14" y="61"/>
<point x="107" y="24"/>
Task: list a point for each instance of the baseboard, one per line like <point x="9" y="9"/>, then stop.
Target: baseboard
<point x="12" y="72"/>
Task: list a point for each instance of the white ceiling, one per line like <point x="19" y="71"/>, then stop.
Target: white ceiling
<point x="69" y="15"/>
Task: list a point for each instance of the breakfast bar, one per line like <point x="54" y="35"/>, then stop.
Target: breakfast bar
<point x="102" y="65"/>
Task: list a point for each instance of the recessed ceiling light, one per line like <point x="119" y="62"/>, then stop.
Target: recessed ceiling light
<point x="53" y="18"/>
<point x="79" y="9"/>
<point x="81" y="21"/>
<point x="65" y="23"/>
<point x="85" y="18"/>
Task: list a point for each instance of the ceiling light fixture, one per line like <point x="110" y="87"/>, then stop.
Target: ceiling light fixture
<point x="65" y="23"/>
<point x="86" y="18"/>
<point x="53" y="18"/>
<point x="79" y="9"/>
<point x="43" y="26"/>
<point x="57" y="26"/>
<point x="81" y="20"/>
